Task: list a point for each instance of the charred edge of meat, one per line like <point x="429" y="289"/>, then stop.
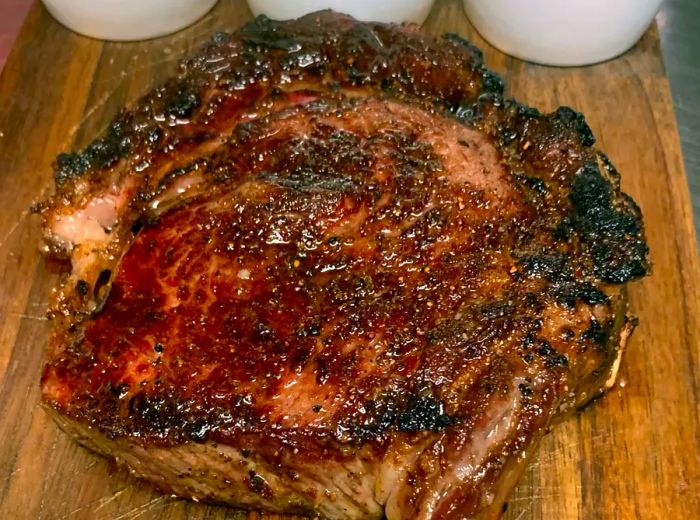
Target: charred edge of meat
<point x="101" y="153"/>
<point x="612" y="231"/>
<point x="383" y="57"/>
<point x="577" y="121"/>
<point x="607" y="220"/>
<point x="492" y="82"/>
<point x="518" y="124"/>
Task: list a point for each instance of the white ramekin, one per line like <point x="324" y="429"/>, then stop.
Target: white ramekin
<point x="127" y="19"/>
<point x="562" y="32"/>
<point x="375" y="10"/>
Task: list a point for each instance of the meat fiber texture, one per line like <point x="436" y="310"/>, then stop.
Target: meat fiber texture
<point x="329" y="269"/>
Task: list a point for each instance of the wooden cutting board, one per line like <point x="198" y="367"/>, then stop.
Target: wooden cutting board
<point x="633" y="454"/>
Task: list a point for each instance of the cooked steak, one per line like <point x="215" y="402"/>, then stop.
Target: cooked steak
<point x="329" y="269"/>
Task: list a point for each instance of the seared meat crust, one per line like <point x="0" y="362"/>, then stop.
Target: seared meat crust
<point x="330" y="269"/>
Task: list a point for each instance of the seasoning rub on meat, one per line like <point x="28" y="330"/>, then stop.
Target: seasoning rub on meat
<point x="329" y="269"/>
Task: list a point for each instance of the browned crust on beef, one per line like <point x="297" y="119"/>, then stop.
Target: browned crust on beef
<point x="222" y="473"/>
<point x="543" y="334"/>
<point x="325" y="50"/>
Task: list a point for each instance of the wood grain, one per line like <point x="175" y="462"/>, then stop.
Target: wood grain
<point x="633" y="454"/>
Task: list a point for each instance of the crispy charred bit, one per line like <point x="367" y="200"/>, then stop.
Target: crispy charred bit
<point x="100" y="154"/>
<point x="424" y="413"/>
<point x="611" y="228"/>
<point x="329" y="269"/>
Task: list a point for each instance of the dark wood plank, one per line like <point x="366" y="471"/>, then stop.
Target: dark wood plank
<point x="633" y="454"/>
